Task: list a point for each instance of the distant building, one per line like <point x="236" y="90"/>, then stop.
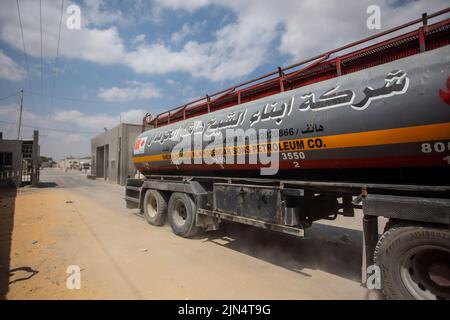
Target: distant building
<point x="75" y="163"/>
<point x="111" y="153"/>
<point x="19" y="161"/>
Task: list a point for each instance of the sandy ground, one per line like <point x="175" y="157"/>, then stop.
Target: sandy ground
<point x="71" y="220"/>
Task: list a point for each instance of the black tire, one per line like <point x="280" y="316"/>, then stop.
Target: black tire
<point x="181" y="215"/>
<point x="155" y="207"/>
<point x="414" y="262"/>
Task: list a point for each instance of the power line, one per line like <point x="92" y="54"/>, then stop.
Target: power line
<point x="8" y="130"/>
<point x="9" y="84"/>
<point x="42" y="60"/>
<point x="51" y="129"/>
<point x="61" y="98"/>
<point x="25" y="51"/>
<point x="9" y="96"/>
<point x="20" y="115"/>
<point x="57" y="54"/>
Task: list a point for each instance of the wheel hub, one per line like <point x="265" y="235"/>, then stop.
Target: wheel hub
<point x="425" y="272"/>
<point x="152" y="207"/>
<point x="180" y="213"/>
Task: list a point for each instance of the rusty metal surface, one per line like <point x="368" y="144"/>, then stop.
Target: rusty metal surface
<point x="254" y="222"/>
<point x="259" y="202"/>
<point x="408" y="208"/>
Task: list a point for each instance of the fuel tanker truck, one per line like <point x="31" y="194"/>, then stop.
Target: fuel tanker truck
<point x="363" y="128"/>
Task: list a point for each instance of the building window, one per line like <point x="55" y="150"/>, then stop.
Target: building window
<point x="27" y="150"/>
<point x="5" y="159"/>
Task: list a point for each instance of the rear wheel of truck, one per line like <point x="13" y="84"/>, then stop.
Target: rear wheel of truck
<point x="414" y="262"/>
<point x="181" y="215"/>
<point x="155" y="207"/>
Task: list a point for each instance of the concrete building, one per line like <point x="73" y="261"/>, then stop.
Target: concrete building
<point x="112" y="153"/>
<point x="74" y="163"/>
<point x="19" y="161"/>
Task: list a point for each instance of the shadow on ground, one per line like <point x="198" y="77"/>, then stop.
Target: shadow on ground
<point x="25" y="273"/>
<point x="332" y="249"/>
<point x="47" y="185"/>
<point x="7" y="207"/>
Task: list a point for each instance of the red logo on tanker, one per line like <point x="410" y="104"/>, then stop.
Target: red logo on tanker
<point x="139" y="145"/>
<point x="445" y="95"/>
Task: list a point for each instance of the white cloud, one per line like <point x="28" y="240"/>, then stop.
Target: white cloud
<point x="103" y="46"/>
<point x="336" y="23"/>
<point x="178" y="36"/>
<point x="135" y="91"/>
<point x="66" y="132"/>
<point x="132" y="116"/>
<point x="56" y="144"/>
<point x="96" y="122"/>
<point x="75" y="138"/>
<point x="84" y="122"/>
<point x="189" y="5"/>
<point x="139" y="38"/>
<point x="295" y="28"/>
<point x="158" y="58"/>
<point x="9" y="70"/>
<point x="303" y="28"/>
<point x="96" y="13"/>
<point x="186" y="31"/>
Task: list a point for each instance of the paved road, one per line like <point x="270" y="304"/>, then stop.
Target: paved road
<point x="123" y="257"/>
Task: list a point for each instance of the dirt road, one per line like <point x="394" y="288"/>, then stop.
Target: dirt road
<point x="71" y="220"/>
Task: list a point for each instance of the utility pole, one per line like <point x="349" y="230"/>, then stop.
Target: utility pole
<point x="20" y="114"/>
<point x="35" y="159"/>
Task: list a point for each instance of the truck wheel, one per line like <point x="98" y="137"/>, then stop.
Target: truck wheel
<point x="414" y="262"/>
<point x="155" y="207"/>
<point x="181" y="215"/>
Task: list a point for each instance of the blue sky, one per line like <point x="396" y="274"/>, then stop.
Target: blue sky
<point x="132" y="57"/>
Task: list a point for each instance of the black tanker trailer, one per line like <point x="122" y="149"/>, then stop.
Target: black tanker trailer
<point x="369" y="130"/>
